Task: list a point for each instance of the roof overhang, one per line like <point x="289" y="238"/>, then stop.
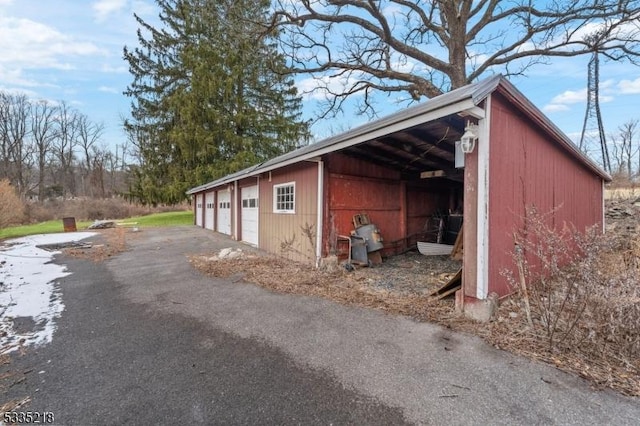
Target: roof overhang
<point x="417" y="139"/>
<point x="392" y="128"/>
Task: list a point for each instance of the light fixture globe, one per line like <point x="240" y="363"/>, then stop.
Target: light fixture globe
<point x="469" y="138"/>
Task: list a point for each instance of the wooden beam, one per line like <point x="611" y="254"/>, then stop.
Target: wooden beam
<point x="456" y="253"/>
<point x="440" y="173"/>
<point x="432" y="174"/>
<point x="454" y="284"/>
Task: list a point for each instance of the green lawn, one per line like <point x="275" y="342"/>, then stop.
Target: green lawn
<point x="163" y="219"/>
<point x="156" y="219"/>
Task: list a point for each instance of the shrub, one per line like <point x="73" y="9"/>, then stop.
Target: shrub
<point x="578" y="294"/>
<point x="90" y="209"/>
<point x="11" y="207"/>
<point x="42" y="212"/>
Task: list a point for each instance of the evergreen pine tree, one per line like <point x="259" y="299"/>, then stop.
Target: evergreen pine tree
<point x="210" y="96"/>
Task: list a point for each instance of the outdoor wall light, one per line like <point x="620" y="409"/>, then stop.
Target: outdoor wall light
<point x="469" y="138"/>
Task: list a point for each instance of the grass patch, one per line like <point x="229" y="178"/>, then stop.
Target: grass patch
<point x="163" y="219"/>
<point x="53" y="226"/>
<point x="48" y="227"/>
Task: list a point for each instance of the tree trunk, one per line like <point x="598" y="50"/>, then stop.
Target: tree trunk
<point x="456" y="19"/>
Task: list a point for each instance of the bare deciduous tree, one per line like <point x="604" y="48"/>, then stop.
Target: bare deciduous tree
<point x="65" y="144"/>
<point x="43" y="133"/>
<point x="5" y="161"/>
<point x="54" y="148"/>
<point x="100" y="156"/>
<point x="625" y="148"/>
<point x="88" y="134"/>
<point x="15" y="111"/>
<point x="425" y="48"/>
<point x="116" y="164"/>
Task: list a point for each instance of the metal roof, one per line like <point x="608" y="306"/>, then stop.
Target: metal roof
<point x="415" y="139"/>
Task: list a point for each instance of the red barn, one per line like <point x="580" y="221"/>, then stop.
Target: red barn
<point x="483" y="152"/>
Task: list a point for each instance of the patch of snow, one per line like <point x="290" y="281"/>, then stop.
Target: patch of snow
<point x="27" y="289"/>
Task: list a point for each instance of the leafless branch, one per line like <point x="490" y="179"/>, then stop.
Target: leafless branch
<point x="354" y="48"/>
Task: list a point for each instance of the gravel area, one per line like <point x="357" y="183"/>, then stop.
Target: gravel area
<point x="411" y="273"/>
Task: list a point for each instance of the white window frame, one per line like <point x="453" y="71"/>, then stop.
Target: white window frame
<point x="293" y="200"/>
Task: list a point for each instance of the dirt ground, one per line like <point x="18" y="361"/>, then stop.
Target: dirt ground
<point x="114" y="241"/>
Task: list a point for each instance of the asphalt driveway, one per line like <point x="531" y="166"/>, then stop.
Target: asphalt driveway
<point x="147" y="339"/>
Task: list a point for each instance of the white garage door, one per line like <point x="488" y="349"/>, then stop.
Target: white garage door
<point x="249" y="220"/>
<point x="224" y="212"/>
<point x="208" y="210"/>
<point x="199" y="209"/>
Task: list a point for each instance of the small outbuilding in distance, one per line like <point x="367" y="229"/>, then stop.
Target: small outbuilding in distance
<point x="483" y="152"/>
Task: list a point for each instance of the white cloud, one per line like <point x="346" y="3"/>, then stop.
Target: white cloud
<point x="405" y="66"/>
<point x="28" y="44"/>
<point x="107" y="68"/>
<point x="570" y="97"/>
<point x="29" y="93"/>
<point x="627" y="30"/>
<point x="143" y="8"/>
<point x="391" y="11"/>
<point x="107" y="89"/>
<point x="555" y="108"/>
<point x="606" y="98"/>
<point x="14" y="77"/>
<point x="319" y="88"/>
<point x="104" y="8"/>
<point x="308" y="87"/>
<point x="584" y="31"/>
<point x="607" y="90"/>
<point x="562" y="101"/>
<point x="629" y="87"/>
<point x="524" y="47"/>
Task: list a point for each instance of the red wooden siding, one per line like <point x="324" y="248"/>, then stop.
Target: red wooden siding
<point x="380" y="199"/>
<point x="356" y="186"/>
<point x="397" y="207"/>
<point x="275" y="228"/>
<point x="526" y="168"/>
<point x="215" y="210"/>
<point x="428" y="196"/>
<point x="195" y="202"/>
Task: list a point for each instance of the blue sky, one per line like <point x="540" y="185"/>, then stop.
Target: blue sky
<point x="71" y="50"/>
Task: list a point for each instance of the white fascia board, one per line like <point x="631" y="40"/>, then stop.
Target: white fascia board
<point x="475" y="112"/>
